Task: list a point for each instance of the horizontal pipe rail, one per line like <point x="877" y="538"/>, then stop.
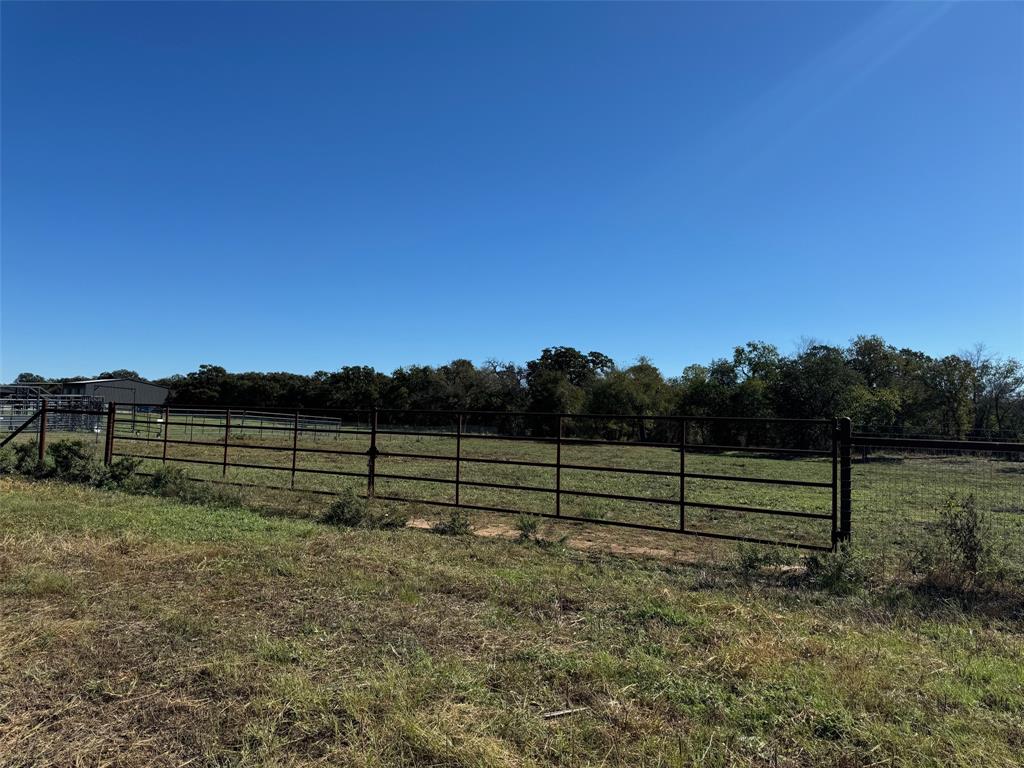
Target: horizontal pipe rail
<point x="613" y="470"/>
<point x="303" y="427"/>
<point x="240" y="465"/>
<point x="243" y="446"/>
<point x="757" y="510"/>
<point x="764" y="480"/>
<point x="866" y="441"/>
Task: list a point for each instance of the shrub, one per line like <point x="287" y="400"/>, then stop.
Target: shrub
<point x="842" y="572"/>
<point x="172" y="482"/>
<point x="528" y="527"/>
<point x="73" y="461"/>
<point x="353" y="511"/>
<point x="349" y="509"/>
<point x="964" y="553"/>
<point x="969" y="535"/>
<point x="456" y="524"/>
<point x="385" y="517"/>
<point x="120" y="473"/>
<point x="8" y="464"/>
<point x="26" y="457"/>
<point x="169" y="481"/>
<point x="751" y="558"/>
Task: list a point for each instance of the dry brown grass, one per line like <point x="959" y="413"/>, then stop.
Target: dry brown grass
<point x="138" y="631"/>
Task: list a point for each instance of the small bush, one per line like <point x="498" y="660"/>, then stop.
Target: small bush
<point x="528" y="527"/>
<point x="969" y="536"/>
<point x="8" y="463"/>
<point x="456" y="524"/>
<point x="120" y="473"/>
<point x="964" y="553"/>
<point x="353" y="511"/>
<point x="73" y="461"/>
<point x="26" y="457"/>
<point x="349" y="510"/>
<point x="170" y="482"/>
<point x="751" y="558"/>
<point x="842" y="572"/>
<point x="384" y="518"/>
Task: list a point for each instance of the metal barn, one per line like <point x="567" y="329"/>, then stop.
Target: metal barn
<point x="127" y="391"/>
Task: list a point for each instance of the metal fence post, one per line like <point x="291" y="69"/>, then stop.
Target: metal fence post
<point x="227" y="435"/>
<point x="558" y="469"/>
<point x="108" y="448"/>
<point x="371" y="462"/>
<point x="167" y="428"/>
<point x="42" y="432"/>
<point x="295" y="443"/>
<point x="458" y="457"/>
<point x="845" y="478"/>
<point x="682" y="475"/>
<point x="835" y="484"/>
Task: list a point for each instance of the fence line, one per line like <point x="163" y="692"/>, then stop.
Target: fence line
<point x="231" y="427"/>
<point x="895" y="487"/>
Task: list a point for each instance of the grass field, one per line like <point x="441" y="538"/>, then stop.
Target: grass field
<point x="141" y="631"/>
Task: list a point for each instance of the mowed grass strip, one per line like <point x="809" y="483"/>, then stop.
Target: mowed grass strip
<point x="141" y="631"/>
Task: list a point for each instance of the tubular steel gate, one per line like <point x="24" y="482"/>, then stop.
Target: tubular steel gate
<point x="707" y="451"/>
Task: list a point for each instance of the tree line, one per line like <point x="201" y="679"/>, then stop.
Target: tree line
<point x="879" y="386"/>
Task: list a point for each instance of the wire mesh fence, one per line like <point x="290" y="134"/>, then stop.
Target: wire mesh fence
<point x="909" y="494"/>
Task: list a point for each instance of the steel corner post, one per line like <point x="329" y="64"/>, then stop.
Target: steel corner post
<point x="845" y="439"/>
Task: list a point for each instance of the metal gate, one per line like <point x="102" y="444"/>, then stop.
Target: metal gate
<point x="714" y="477"/>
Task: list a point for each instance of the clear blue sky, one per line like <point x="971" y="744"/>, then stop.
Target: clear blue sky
<point x="305" y="186"/>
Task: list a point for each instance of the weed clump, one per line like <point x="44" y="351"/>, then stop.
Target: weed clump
<point x="457" y="523"/>
<point x="528" y="527"/>
<point x="963" y="554"/>
<point x="351" y="510"/>
<point x="752" y="558"/>
<point x="169" y="482"/>
<point x="172" y="482"/>
<point x="119" y="474"/>
<point x="843" y="572"/>
<point x="385" y="518"/>
<point x="348" y="510"/>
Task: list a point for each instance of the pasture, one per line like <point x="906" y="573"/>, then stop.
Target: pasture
<point x="143" y="631"/>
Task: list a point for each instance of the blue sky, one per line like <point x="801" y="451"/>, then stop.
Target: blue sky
<point x="305" y="186"/>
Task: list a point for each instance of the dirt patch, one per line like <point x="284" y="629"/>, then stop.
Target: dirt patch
<point x="591" y="541"/>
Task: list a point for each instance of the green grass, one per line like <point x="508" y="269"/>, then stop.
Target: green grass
<point x="141" y="631"/>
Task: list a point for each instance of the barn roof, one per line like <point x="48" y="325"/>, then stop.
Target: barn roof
<point x="122" y="378"/>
